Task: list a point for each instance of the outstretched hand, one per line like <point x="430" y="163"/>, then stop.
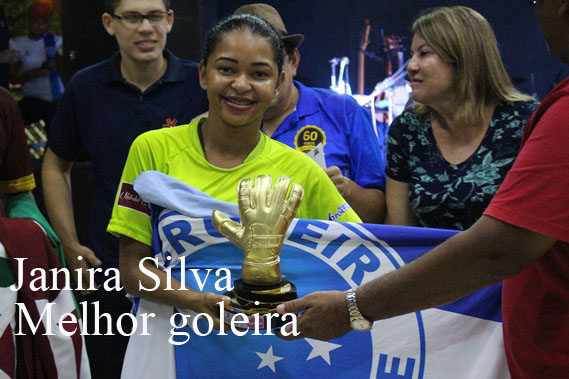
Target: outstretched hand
<point x="81" y="258"/>
<point x="322" y="315"/>
<point x="208" y="303"/>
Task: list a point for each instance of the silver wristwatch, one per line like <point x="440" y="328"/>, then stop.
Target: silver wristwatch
<point x="357" y="321"/>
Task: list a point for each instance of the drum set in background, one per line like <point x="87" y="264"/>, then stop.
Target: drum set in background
<point x="390" y="97"/>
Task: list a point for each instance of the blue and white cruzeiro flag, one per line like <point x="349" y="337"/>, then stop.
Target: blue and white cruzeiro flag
<point x="462" y="339"/>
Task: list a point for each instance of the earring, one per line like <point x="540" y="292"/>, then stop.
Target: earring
<point x="276" y="92"/>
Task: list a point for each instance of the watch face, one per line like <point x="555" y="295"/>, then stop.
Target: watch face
<point x="361" y="324"/>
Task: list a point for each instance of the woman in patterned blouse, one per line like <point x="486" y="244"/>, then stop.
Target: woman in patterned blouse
<point x="449" y="154"/>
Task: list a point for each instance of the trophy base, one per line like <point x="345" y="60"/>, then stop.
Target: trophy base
<point x="257" y="305"/>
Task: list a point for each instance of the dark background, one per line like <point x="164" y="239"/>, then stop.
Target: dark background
<point x="332" y="28"/>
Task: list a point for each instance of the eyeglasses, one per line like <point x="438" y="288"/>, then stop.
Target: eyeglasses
<point x="135" y="19"/>
<point x="532" y="2"/>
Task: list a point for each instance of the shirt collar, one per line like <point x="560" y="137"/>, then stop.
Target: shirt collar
<point x="308" y="101"/>
<point x="174" y="72"/>
<point x="197" y="146"/>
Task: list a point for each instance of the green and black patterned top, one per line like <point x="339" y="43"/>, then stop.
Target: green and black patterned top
<point x="450" y="196"/>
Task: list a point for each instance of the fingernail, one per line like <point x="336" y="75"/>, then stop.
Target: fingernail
<point x="281" y="308"/>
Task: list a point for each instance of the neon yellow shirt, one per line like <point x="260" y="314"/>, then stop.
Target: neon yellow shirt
<point x="177" y="152"/>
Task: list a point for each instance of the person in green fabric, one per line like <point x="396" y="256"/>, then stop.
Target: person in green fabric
<point x="16" y="174"/>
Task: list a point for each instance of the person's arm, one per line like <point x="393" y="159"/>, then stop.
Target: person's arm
<point x="364" y="190"/>
<point x="56" y="183"/>
<point x="368" y="203"/>
<point x="131" y="253"/>
<point x="9" y="56"/>
<point x="59" y="61"/>
<point x="486" y="253"/>
<point x="399" y="211"/>
<point x="19" y="76"/>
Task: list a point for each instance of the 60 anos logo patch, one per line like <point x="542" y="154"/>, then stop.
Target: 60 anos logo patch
<point x="308" y="137"/>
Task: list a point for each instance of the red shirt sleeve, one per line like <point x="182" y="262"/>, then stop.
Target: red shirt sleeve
<point x="535" y="193"/>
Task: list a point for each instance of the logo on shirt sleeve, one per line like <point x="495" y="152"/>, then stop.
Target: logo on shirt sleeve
<point x="340" y="210"/>
<point x="308" y="137"/>
<point x="129" y="198"/>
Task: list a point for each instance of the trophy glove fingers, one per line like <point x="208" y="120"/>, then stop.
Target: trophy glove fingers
<point x="294" y="200"/>
<point x="290" y="206"/>
<point x="278" y="196"/>
<point x="244" y="197"/>
<point x="227" y="227"/>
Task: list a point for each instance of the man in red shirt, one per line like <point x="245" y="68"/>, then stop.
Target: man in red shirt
<point x="523" y="239"/>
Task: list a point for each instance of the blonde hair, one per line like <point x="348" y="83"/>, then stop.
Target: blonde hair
<point x="463" y="38"/>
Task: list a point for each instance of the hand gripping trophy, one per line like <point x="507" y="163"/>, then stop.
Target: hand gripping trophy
<point x="266" y="213"/>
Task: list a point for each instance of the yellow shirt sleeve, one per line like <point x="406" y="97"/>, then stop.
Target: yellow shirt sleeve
<point x="131" y="215"/>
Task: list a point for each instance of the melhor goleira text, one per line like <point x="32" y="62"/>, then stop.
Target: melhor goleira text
<point x="45" y="280"/>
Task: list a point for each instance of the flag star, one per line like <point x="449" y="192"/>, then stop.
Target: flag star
<point x="268" y="359"/>
<point x="321" y="349"/>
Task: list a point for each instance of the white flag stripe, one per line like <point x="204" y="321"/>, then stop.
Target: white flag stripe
<point x="9" y="351"/>
<point x="62" y="345"/>
<point x="8" y="300"/>
<point x="151" y="356"/>
<point x="3" y="251"/>
<point x="465" y="346"/>
<point x="457" y="345"/>
<point x="7" y="307"/>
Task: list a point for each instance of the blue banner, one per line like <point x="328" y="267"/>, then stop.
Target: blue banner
<point x="461" y="339"/>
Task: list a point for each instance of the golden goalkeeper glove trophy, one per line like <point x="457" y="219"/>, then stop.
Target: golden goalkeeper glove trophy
<point x="266" y="212"/>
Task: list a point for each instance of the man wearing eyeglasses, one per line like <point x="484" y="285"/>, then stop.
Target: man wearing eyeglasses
<point x="104" y="108"/>
<point x="522" y="238"/>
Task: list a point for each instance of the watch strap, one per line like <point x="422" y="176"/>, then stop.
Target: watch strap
<point x="354" y="312"/>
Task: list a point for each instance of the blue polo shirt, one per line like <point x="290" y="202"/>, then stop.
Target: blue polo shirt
<point x="100" y="114"/>
<point x="343" y="127"/>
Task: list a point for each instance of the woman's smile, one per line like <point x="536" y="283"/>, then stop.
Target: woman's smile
<point x="240" y="78"/>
